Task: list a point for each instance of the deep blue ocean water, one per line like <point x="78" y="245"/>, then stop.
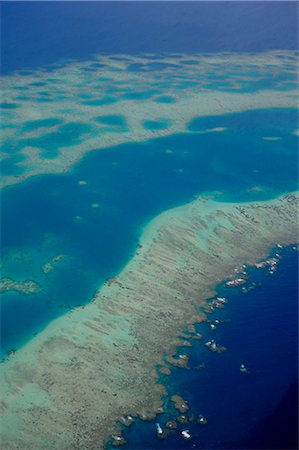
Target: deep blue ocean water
<point x="54" y="214"/>
<point x="257" y="410"/>
<point x="40" y="33"/>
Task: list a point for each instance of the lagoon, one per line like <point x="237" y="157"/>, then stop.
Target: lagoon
<point x="235" y="165"/>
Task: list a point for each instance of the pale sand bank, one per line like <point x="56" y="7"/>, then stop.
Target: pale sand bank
<point x="67" y="387"/>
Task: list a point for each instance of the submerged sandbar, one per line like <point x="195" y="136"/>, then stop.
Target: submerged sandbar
<point x="68" y="387"/>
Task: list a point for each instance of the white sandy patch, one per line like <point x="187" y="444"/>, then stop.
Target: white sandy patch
<point x="271" y="138"/>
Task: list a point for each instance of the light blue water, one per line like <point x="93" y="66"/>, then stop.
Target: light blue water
<point x="8" y="105"/>
<point x="55" y="215"/>
<point x="257" y="410"/>
<point x="32" y="125"/>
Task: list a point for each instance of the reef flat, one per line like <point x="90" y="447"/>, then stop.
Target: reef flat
<point x="68" y="387"/>
<point x="23" y="287"/>
<point x="51" y="117"/>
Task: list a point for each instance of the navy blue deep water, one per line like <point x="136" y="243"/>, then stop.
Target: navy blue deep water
<point x="258" y="410"/>
<point x="40" y="33"/>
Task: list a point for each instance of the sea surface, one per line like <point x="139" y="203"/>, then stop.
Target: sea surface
<point x="97" y="225"/>
<point x="94" y="215"/>
<point x="254" y="410"/>
<point x="45" y="32"/>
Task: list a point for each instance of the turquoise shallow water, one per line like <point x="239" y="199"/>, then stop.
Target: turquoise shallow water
<point x="97" y="225"/>
<point x="32" y="125"/>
